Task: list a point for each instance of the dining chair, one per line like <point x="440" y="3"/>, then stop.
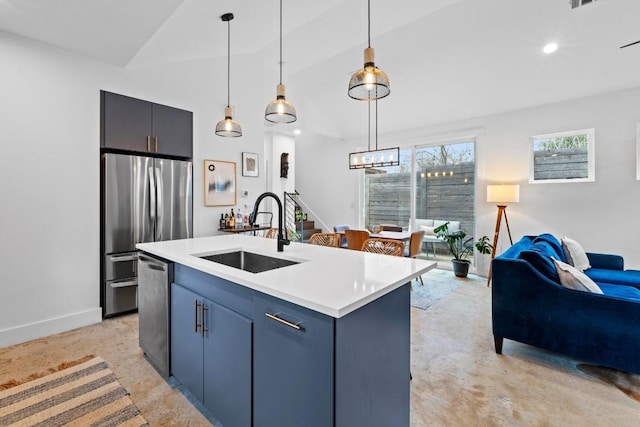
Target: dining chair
<point x="342" y="227"/>
<point x="415" y="247"/>
<point x="355" y="238"/>
<point x="384" y="246"/>
<point x="325" y="239"/>
<point x="390" y="227"/>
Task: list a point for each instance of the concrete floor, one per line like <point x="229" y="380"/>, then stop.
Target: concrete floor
<point x="458" y="380"/>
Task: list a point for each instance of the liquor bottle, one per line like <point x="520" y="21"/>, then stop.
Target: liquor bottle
<point x="239" y="219"/>
<point x="232" y="219"/>
<point x="226" y="220"/>
<point x="222" y="223"/>
<point x="245" y="219"/>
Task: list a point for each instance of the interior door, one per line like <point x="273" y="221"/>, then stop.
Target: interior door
<point x="174" y="199"/>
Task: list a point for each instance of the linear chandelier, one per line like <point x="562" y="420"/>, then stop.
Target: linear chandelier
<point x="374" y="158"/>
<point x="228" y="127"/>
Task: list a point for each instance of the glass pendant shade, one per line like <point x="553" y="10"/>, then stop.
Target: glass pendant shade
<point x="280" y="110"/>
<point x="228" y="127"/>
<point x="369" y="83"/>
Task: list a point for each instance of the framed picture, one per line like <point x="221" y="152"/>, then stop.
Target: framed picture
<point x="249" y="164"/>
<point x="219" y="183"/>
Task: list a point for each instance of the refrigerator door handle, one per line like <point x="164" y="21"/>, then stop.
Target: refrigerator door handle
<point x="187" y="204"/>
<point x="159" y="205"/>
<point x="122" y="258"/>
<point x="152" y="196"/>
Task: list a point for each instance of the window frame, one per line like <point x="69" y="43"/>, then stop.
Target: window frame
<point x="591" y="167"/>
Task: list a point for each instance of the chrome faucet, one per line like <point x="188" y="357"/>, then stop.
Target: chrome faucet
<point x="252" y="218"/>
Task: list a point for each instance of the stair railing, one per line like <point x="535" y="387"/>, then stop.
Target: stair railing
<point x="290" y="205"/>
<point x="293" y="200"/>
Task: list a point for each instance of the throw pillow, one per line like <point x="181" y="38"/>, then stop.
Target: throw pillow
<point x="428" y="231"/>
<point x="572" y="278"/>
<point x="574" y="254"/>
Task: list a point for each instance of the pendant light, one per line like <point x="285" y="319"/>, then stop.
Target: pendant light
<point x="228" y="127"/>
<point x="280" y="110"/>
<point x="374" y="158"/>
<point x="370" y="82"/>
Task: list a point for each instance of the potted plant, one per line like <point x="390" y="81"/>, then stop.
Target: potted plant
<point x="462" y="248"/>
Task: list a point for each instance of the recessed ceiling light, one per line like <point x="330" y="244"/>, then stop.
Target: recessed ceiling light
<point x="297" y="132"/>
<point x="550" y="48"/>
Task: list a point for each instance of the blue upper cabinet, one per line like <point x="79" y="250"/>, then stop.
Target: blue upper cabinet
<point x="293" y="365"/>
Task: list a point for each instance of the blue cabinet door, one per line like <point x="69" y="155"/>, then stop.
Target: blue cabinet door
<point x="227" y="365"/>
<point x="293" y="365"/>
<point x="186" y="339"/>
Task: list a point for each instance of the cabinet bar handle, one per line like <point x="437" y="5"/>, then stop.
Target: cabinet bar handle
<point x="281" y="320"/>
<point x="148" y="143"/>
<point x="198" y="325"/>
<point x="155" y="139"/>
<point x="204" y="309"/>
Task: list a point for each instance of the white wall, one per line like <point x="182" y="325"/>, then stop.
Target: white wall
<point x="49" y="144"/>
<point x="601" y="215"/>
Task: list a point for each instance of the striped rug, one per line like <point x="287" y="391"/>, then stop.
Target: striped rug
<point x="87" y="394"/>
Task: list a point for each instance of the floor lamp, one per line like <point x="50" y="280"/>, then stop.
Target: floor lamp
<point x="501" y="194"/>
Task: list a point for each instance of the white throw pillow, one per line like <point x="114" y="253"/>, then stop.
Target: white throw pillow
<point x="572" y="278"/>
<point x="428" y="231"/>
<point x="575" y="255"/>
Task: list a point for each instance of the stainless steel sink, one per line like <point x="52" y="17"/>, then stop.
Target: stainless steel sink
<point x="249" y="261"/>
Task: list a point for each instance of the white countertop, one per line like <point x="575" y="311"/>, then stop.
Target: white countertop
<point x="332" y="281"/>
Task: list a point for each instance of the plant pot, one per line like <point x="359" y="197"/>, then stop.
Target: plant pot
<point x="461" y="267"/>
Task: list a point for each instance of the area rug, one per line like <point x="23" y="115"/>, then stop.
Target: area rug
<point x="83" y="394"/>
<point x="437" y="285"/>
<point x="628" y="383"/>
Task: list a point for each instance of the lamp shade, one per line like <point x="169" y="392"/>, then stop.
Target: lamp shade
<point x="228" y="127"/>
<point x="503" y="193"/>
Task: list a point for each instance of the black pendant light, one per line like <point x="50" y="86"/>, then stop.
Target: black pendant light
<point x="370" y="82"/>
<point x="228" y="127"/>
<point x="280" y="110"/>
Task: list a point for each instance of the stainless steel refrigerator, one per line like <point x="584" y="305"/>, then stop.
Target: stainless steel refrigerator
<point x="144" y="199"/>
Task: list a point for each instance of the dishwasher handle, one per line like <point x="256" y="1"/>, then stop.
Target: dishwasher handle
<point x="153" y="263"/>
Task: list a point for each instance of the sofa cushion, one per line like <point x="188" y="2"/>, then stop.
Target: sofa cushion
<point x="554" y="243"/>
<point x="572" y="278"/>
<point x="620" y="291"/>
<point x="574" y="254"/>
<point x="428" y="222"/>
<point x="618" y="277"/>
<point x="514" y="251"/>
<point x="539" y="255"/>
<point x="428" y="230"/>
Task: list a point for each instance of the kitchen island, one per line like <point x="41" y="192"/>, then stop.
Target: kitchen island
<point x="323" y="341"/>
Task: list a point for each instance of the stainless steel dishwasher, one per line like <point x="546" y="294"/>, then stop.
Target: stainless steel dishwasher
<point x="154" y="282"/>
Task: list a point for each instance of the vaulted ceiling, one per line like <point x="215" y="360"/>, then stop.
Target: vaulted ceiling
<point x="447" y="59"/>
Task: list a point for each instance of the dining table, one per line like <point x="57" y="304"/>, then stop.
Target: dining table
<point x="403" y="236"/>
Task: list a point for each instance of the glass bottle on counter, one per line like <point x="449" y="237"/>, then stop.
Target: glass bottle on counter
<point x="222" y="223"/>
<point x="239" y="219"/>
<point x="245" y="218"/>
<point x="226" y="220"/>
<point x="232" y="219"/>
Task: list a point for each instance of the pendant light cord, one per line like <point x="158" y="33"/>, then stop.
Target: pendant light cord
<point x="369" y="128"/>
<point x="280" y="41"/>
<point x="376" y="125"/>
<point x="368" y="22"/>
<point x="228" y="63"/>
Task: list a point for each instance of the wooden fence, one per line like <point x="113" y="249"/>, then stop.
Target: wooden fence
<point x="567" y="163"/>
<point x="445" y="193"/>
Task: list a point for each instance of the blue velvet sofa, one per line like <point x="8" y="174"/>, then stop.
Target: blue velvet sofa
<point x="529" y="305"/>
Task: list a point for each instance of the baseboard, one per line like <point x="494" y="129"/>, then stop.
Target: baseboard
<point x="43" y="328"/>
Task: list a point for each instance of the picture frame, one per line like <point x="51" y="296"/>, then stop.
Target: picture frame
<point x="219" y="183"/>
<point x="250" y="164"/>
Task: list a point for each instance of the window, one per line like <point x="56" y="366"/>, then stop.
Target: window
<point x="445" y="184"/>
<point x="387" y="193"/>
<point x="563" y="157"/>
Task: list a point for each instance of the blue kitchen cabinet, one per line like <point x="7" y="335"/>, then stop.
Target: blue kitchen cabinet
<point x="211" y="355"/>
<point x="187" y="358"/>
<point x="293" y="365"/>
